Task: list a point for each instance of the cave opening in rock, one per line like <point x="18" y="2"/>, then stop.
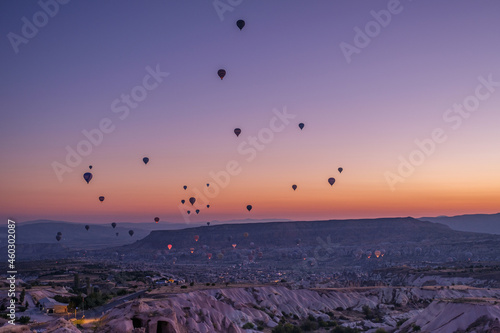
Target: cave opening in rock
<point x="163" y="327"/>
<point x="137" y="322"/>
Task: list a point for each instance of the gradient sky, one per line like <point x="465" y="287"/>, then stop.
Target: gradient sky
<point x="360" y="115"/>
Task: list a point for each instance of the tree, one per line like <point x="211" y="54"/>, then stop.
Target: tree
<point x="21" y="297"/>
<point x="76" y="282"/>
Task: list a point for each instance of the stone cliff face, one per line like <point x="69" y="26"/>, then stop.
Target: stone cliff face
<point x="227" y="310"/>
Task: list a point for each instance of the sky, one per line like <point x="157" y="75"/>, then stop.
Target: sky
<point x="404" y="96"/>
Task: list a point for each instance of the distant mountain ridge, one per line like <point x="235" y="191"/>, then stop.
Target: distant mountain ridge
<point x="484" y="223"/>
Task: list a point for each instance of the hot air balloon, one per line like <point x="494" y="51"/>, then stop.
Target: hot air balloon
<point x="185" y="187"/>
<point x="208" y="224"/>
<point x="183" y="201"/>
<point x="101" y="198"/>
<point x="208" y="185"/>
<point x="191" y="250"/>
<point x="59" y="233"/>
<point x="87" y="227"/>
<point x="301" y="126"/>
<point x="331" y="181"/>
<point x="240" y="24"/>
<point x="197" y="211"/>
<point x="58" y="237"/>
<point x="294" y="187"/>
<point x="340" y="170"/>
<point x="245" y="234"/>
<point x="87" y="176"/>
<point x="169" y="246"/>
<point x="192" y="200"/>
<point x="145" y="160"/>
<point x="131" y="233"/>
<point x="377" y="253"/>
<point x="249" y="207"/>
<point x="234" y="246"/>
<point x="208" y="206"/>
<point x="196" y="238"/>
<point x="221" y="73"/>
<point x="209" y="256"/>
<point x="237" y="131"/>
<point x="189" y="212"/>
<point x="90" y="167"/>
<point x="113" y="225"/>
<point x="157" y="219"/>
<point x="369" y="254"/>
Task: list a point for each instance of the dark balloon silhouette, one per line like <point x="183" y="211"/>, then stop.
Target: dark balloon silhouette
<point x="249" y="207"/>
<point x="87" y="176"/>
<point x="331" y="181"/>
<point x="197" y="211"/>
<point x="59" y="233"/>
<point x="101" y="198"/>
<point x="221" y="73"/>
<point x="294" y="187"/>
<point x="87" y="227"/>
<point x="208" y="206"/>
<point x="192" y="200"/>
<point x="196" y="238"/>
<point x="208" y="185"/>
<point x="208" y="224"/>
<point x="90" y="167"/>
<point x="341" y="169"/>
<point x="145" y="160"/>
<point x="237" y="131"/>
<point x="113" y="225"/>
<point x="157" y="219"/>
<point x="183" y="201"/>
<point x="185" y="187"/>
<point x="189" y="212"/>
<point x="301" y="125"/>
<point x="131" y="233"/>
<point x="240" y="24"/>
<point x="58" y="237"/>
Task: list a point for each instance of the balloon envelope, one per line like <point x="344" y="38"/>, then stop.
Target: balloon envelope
<point x="131" y="232"/>
<point x="196" y="238"/>
<point x="113" y="225"/>
<point x="294" y="187"/>
<point x="249" y="207"/>
<point x="157" y="219"/>
<point x="145" y="160"/>
<point x="240" y="24"/>
<point x="87" y="176"/>
<point x="208" y="206"/>
<point x="301" y="125"/>
<point x="101" y="198"/>
<point x="185" y="187"/>
<point x="331" y="181"/>
<point x="197" y="211"/>
<point x="341" y="169"/>
<point x="192" y="200"/>
<point x="183" y="201"/>
<point x="90" y="167"/>
<point x="169" y="246"/>
<point x="221" y="73"/>
<point x="87" y="227"/>
<point x="237" y="131"/>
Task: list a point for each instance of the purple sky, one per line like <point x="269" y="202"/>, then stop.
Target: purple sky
<point x="360" y="115"/>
